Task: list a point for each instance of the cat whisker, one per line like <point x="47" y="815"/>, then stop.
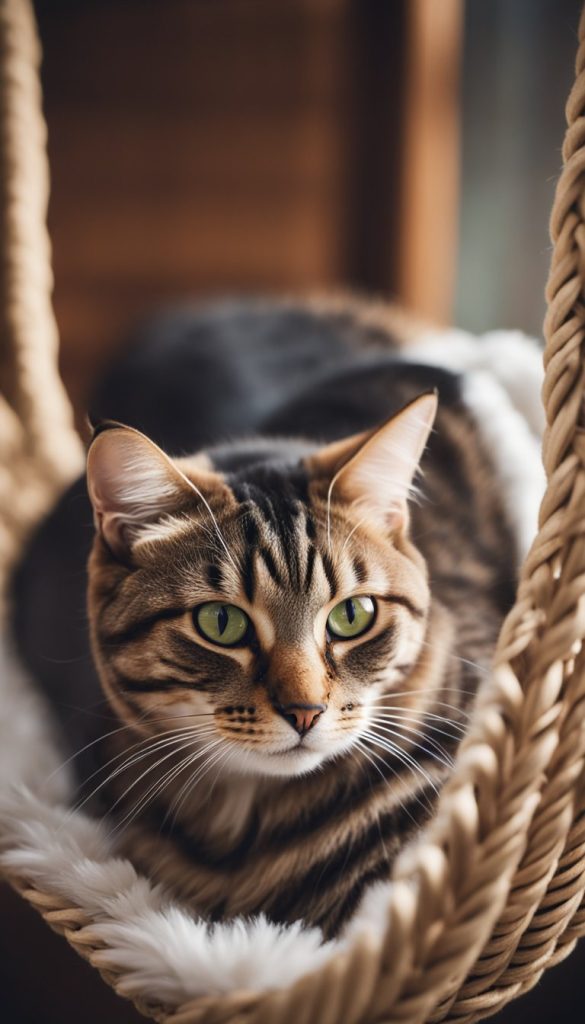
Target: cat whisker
<point x="150" y="743"/>
<point x="442" y="754"/>
<point x="441" y="688"/>
<point x="415" y="713"/>
<point x="426" y="716"/>
<point x="380" y="702"/>
<point x="187" y="786"/>
<point x="457" y="657"/>
<point x="367" y="755"/>
<point x="328" y="512"/>
<point x="88" y="710"/>
<point x="412" y="730"/>
<point x="211" y="514"/>
<point x="401" y="755"/>
<point x="370" y="755"/>
<point x="196" y="777"/>
<point x="350" y="535"/>
<point x="169" y="739"/>
<point x="399" y="716"/>
<point x="158" y="786"/>
<point x="159" y="744"/>
<point x="453" y="731"/>
<point x="212" y="754"/>
<point x="119" y="729"/>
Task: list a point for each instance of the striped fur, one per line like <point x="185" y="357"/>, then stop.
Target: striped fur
<point x="235" y="813"/>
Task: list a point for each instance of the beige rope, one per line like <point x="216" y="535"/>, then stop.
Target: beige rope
<point x="494" y="895"/>
<point x="39" y="450"/>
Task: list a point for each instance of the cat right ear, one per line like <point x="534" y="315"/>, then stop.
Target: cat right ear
<point x="131" y="484"/>
<point x="374" y="471"/>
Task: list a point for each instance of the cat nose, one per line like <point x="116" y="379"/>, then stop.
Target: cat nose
<point x="302" y="717"/>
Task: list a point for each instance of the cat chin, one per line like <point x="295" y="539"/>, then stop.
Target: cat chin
<point x="288" y="764"/>
<point x="292" y="763"/>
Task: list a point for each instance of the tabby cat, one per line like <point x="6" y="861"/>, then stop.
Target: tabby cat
<point x="288" y="620"/>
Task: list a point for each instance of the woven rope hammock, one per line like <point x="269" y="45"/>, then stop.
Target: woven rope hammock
<point x="494" y="894"/>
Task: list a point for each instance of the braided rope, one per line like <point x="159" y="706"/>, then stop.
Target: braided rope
<point x="494" y="894"/>
<point x="39" y="450"/>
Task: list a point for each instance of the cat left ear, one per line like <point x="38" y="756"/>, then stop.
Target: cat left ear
<point x="378" y="469"/>
<point x="131" y="484"/>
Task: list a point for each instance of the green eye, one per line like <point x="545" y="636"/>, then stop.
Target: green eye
<point x="224" y="624"/>
<point x="351" y="617"/>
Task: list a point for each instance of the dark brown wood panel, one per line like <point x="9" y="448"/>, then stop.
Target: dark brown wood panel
<point x="196" y="148"/>
<point x="207" y="146"/>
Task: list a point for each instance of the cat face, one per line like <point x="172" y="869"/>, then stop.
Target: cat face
<point x="256" y="615"/>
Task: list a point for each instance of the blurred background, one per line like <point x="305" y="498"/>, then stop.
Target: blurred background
<point x="202" y="147"/>
<point x="198" y="147"/>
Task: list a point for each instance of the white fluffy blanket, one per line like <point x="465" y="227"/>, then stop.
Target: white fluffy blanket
<point x="163" y="951"/>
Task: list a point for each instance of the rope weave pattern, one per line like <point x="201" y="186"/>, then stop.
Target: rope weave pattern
<point x="494" y="893"/>
<point x="39" y="450"/>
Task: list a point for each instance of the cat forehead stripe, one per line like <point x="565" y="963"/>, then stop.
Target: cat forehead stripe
<point x="278" y="537"/>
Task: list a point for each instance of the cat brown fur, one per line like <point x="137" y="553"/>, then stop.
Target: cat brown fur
<point x="305" y="846"/>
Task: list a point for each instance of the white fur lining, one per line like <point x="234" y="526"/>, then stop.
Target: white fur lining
<point x="163" y="952"/>
<point x="501" y="386"/>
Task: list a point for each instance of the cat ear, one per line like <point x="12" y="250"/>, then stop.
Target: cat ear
<point x="132" y="484"/>
<point x="377" y="472"/>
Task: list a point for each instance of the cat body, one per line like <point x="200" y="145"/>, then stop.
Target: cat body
<point x="281" y="772"/>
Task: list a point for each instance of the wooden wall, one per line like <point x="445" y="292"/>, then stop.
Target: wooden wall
<point x="200" y="147"/>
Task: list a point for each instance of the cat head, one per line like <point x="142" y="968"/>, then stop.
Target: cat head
<point x="260" y="612"/>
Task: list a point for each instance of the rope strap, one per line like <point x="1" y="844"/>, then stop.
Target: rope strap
<point x="39" y="449"/>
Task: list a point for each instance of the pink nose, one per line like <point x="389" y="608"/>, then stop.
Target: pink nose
<point x="302" y="717"/>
